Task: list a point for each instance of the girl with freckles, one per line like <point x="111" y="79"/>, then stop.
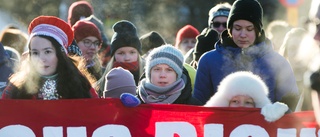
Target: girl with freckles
<point x="48" y="73"/>
<point x="166" y="81"/>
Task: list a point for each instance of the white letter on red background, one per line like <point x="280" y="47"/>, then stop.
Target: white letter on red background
<point x="167" y="129"/>
<point x="215" y="130"/>
<point x="52" y="132"/>
<point x="249" y="130"/>
<point x="112" y="131"/>
<point x="16" y="131"/>
<point x="76" y="132"/>
<point x="308" y="132"/>
<point x="290" y="132"/>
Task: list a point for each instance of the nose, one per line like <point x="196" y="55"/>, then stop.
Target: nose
<point x="162" y="74"/>
<point x="127" y="58"/>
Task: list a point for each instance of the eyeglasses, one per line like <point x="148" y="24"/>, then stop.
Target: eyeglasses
<point x="218" y="24"/>
<point x="88" y="43"/>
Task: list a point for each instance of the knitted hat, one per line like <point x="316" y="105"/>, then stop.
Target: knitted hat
<point x="83" y="29"/>
<point x="150" y="41"/>
<point x="100" y="26"/>
<point x="53" y="27"/>
<point x="78" y="10"/>
<point x="125" y="35"/>
<point x="118" y="81"/>
<point x="187" y="31"/>
<point x="249" y="10"/>
<point x="165" y="54"/>
<point x="220" y="10"/>
<point x="205" y="42"/>
<point x="240" y="83"/>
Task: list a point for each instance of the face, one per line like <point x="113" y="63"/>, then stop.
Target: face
<point x="126" y="54"/>
<point x="104" y="57"/>
<point x="243" y="33"/>
<point x="43" y="56"/>
<point x="242" y="101"/>
<point x="89" y="47"/>
<point x="219" y="24"/>
<point x="163" y="75"/>
<point x="187" y="44"/>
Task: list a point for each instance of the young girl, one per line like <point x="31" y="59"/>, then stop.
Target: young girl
<point x="244" y="89"/>
<point x="88" y="38"/>
<point x="166" y="81"/>
<point x="48" y="73"/>
<point x="125" y="51"/>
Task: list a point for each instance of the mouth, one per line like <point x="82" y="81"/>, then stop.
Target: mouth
<point x="162" y="83"/>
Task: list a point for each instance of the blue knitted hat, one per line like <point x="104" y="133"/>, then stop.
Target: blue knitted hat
<point x="165" y="54"/>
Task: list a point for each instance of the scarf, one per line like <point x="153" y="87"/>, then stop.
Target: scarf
<point x="151" y="93"/>
<point x="131" y="66"/>
<point x="48" y="91"/>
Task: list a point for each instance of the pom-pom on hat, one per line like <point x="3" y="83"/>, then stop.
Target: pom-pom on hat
<point x="150" y="41"/>
<point x="83" y="29"/>
<point x="187" y="31"/>
<point x="240" y="83"/>
<point x="78" y="10"/>
<point x="53" y="27"/>
<point x="165" y="54"/>
<point x="249" y="10"/>
<point x="125" y="35"/>
<point x="118" y="81"/>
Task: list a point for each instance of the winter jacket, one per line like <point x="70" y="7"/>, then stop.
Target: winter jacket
<point x="259" y="58"/>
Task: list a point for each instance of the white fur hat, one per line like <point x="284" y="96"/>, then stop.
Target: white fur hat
<point x="240" y="83"/>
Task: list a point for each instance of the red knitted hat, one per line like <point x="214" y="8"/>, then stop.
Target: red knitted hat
<point x="83" y="29"/>
<point x="187" y="31"/>
<point x="77" y="10"/>
<point x="53" y="27"/>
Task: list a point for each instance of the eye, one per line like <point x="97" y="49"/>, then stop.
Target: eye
<point x="133" y="52"/>
<point x="250" y="28"/>
<point x="235" y="101"/>
<point x="34" y="53"/>
<point x="170" y="69"/>
<point x="47" y="51"/>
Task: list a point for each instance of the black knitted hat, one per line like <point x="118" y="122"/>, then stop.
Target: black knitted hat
<point x="125" y="35"/>
<point x="150" y="41"/>
<point x="249" y="10"/>
<point x="205" y="42"/>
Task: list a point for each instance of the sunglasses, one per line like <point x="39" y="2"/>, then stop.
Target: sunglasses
<point x="218" y="24"/>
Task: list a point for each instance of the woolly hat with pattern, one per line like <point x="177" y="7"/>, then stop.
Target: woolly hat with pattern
<point x="78" y="10"/>
<point x="165" y="54"/>
<point x="125" y="35"/>
<point x="150" y="41"/>
<point x="249" y="10"/>
<point x="220" y="10"/>
<point x="83" y="29"/>
<point x="53" y="27"/>
<point x="187" y="31"/>
<point x="241" y="83"/>
<point x="118" y="81"/>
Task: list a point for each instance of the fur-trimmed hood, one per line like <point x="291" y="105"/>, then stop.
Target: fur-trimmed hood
<point x="240" y="83"/>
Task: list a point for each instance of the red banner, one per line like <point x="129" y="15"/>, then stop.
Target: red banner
<point x="109" y="118"/>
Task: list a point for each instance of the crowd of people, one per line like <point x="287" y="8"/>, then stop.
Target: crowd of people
<point x="232" y="62"/>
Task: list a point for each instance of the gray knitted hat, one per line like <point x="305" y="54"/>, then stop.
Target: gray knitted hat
<point x="165" y="54"/>
<point x="118" y="81"/>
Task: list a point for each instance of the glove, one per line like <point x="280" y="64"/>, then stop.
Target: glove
<point x="129" y="100"/>
<point x="275" y="111"/>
